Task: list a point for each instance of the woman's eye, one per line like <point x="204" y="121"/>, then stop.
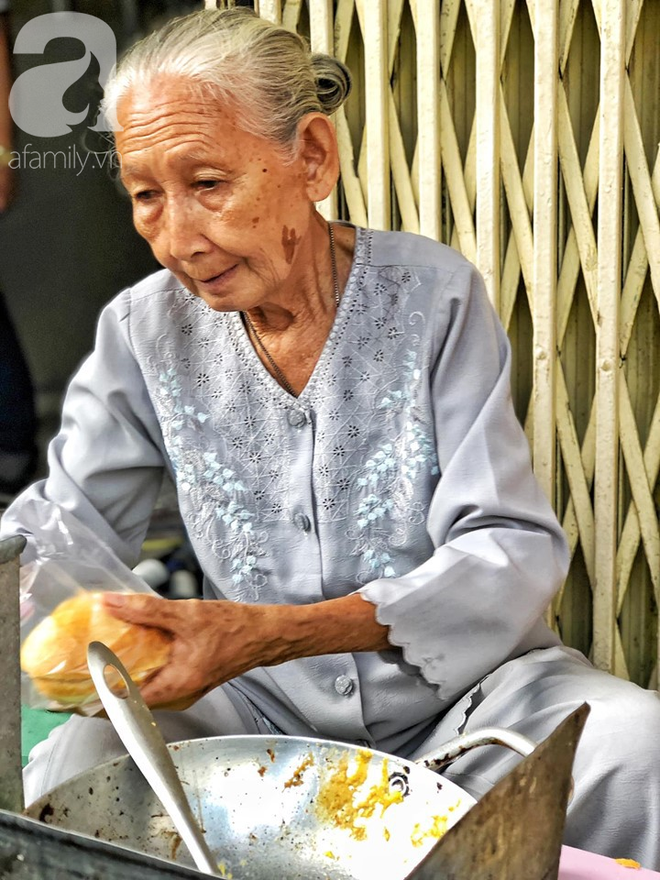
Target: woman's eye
<point x="143" y="195"/>
<point x="208" y="184"/>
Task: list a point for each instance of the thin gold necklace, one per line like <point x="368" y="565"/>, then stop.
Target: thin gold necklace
<point x="281" y="378"/>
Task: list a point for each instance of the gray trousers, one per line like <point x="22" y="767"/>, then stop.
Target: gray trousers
<point x="616" y="805"/>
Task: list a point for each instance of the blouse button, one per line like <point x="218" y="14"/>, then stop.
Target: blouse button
<point x="296" y="417"/>
<point x="344" y="685"/>
<point x="302" y="522"/>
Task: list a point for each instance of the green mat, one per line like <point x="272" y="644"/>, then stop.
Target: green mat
<point x="36" y="724"/>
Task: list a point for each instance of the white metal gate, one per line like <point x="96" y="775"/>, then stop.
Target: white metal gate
<point x="525" y="134"/>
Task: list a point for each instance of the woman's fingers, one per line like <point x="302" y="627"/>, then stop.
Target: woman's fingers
<point x="173" y="689"/>
<point x="180" y="682"/>
<point x="145" y="610"/>
<point x="212" y="641"/>
<point x="178" y="705"/>
<point x="187" y="676"/>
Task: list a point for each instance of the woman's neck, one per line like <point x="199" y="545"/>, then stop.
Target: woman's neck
<point x="289" y="339"/>
<point x="309" y="300"/>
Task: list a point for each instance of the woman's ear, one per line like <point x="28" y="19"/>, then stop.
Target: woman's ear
<point x="317" y="149"/>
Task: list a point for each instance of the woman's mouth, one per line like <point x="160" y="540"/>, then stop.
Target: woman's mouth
<point x="215" y="283"/>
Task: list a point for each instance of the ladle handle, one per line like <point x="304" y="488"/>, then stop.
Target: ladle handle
<point x="138" y="731"/>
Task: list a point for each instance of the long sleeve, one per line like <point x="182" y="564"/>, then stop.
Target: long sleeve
<point x="106" y="462"/>
<point x="500" y="553"/>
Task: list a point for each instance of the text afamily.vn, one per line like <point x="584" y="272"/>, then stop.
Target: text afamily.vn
<point x="70" y="159"/>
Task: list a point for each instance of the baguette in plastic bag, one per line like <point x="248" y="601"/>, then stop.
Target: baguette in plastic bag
<point x="62" y="612"/>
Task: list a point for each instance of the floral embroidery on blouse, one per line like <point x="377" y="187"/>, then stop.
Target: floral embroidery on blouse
<point x="389" y="476"/>
<point x="180" y="416"/>
<point x="213" y="488"/>
<point x="241" y="544"/>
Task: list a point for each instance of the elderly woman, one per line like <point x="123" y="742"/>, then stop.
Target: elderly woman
<point x="333" y="404"/>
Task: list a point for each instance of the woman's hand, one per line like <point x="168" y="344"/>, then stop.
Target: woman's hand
<point x="214" y="641"/>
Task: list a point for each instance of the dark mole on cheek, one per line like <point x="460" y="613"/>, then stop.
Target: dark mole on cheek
<point x="255" y="220"/>
<point x="264" y="170"/>
<point x="289" y="242"/>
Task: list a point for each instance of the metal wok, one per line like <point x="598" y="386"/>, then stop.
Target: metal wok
<point x="285" y="807"/>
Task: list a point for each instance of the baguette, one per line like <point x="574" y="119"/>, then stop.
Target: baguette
<point x="54" y="654"/>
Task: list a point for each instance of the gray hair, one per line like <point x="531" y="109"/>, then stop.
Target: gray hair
<point x="266" y="71"/>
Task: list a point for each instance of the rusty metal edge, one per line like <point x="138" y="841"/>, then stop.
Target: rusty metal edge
<point x="11" y="780"/>
<point x="30" y="850"/>
<point x="515" y="831"/>
<point x="11" y="548"/>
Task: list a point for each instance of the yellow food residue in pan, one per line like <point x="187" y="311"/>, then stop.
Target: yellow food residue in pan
<point x="342" y="803"/>
<point x="436" y="829"/>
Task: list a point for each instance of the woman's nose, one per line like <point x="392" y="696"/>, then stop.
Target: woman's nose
<point x="184" y="230"/>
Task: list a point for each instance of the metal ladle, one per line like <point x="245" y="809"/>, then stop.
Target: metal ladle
<point x="139" y="732"/>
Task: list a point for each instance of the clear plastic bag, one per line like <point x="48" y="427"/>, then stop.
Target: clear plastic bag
<point x="62" y="611"/>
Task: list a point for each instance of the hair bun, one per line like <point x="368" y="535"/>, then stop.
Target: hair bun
<point x="333" y="82"/>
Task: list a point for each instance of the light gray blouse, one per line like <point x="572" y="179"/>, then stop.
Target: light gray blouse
<point x="400" y="471"/>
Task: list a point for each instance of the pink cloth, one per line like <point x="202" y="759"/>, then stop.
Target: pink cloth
<point x="578" y="865"/>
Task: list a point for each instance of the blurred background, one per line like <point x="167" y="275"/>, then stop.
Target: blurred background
<point x="67" y="244"/>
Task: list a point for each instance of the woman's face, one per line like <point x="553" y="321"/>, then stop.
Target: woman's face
<point x="220" y="207"/>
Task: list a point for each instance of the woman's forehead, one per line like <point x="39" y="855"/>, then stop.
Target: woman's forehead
<point x="173" y="116"/>
<point x="175" y="99"/>
<point x="176" y="135"/>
